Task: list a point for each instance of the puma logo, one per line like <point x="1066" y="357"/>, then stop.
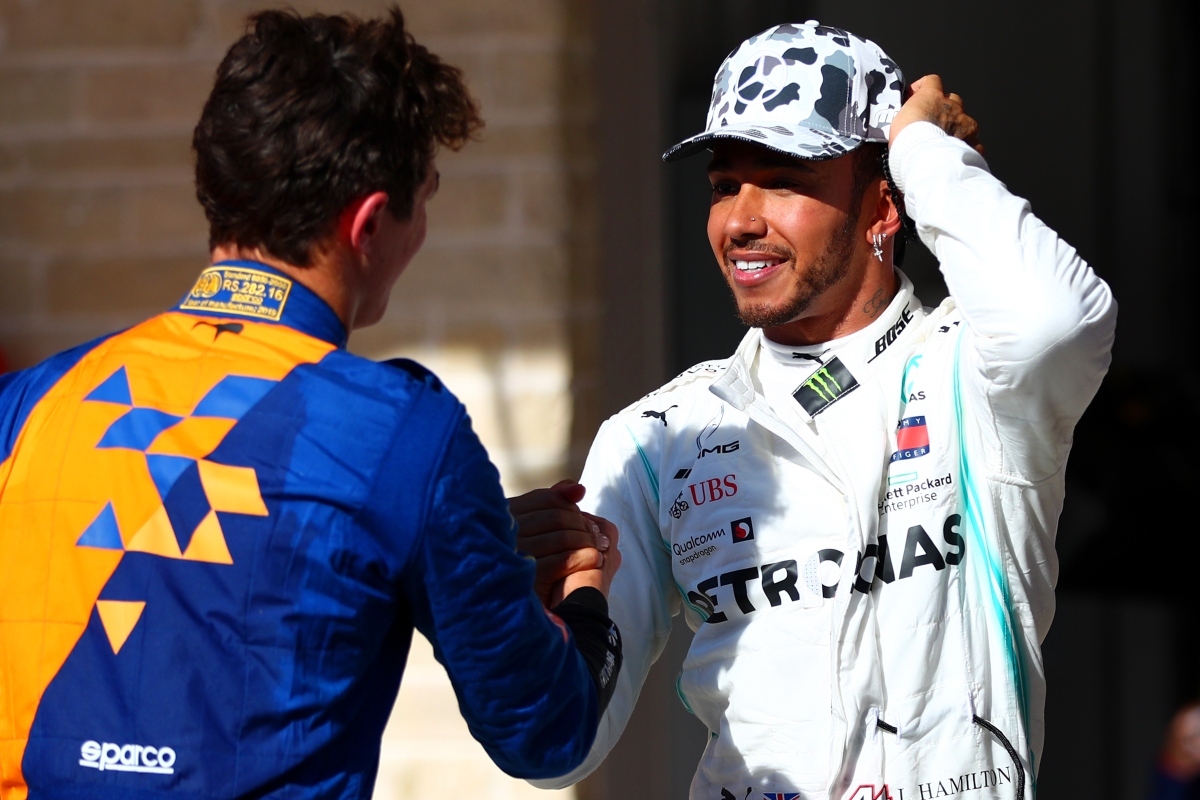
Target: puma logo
<point x="221" y="327"/>
<point x="659" y="415"/>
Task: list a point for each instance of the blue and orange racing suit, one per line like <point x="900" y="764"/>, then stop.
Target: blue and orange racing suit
<point x="218" y="530"/>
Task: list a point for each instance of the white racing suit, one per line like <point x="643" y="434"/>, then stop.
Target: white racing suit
<point x="868" y="567"/>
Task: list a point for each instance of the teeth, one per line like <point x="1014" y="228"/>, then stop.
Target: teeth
<point x="753" y="266"/>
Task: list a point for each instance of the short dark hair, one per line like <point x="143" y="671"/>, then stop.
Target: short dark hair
<point x="870" y="164"/>
<point x="309" y="114"/>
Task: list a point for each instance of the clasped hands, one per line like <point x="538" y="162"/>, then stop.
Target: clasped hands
<point x="572" y="549"/>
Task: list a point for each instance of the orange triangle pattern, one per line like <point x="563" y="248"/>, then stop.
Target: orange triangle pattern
<point x="156" y="537"/>
<point x="208" y="542"/>
<point x="119" y="618"/>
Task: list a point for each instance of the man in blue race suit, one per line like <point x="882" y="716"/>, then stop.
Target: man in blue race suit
<point x="218" y="528"/>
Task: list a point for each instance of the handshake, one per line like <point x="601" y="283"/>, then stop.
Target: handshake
<point x="572" y="549"/>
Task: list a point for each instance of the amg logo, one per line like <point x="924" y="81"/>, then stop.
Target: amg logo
<point x="720" y="449"/>
<point x="893" y="332"/>
<point x="127" y="758"/>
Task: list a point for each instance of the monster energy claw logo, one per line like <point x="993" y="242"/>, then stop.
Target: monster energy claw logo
<point x="818" y="383"/>
<point x="828" y="384"/>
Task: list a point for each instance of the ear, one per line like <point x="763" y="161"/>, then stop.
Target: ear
<point x="885" y="216"/>
<point x="360" y="220"/>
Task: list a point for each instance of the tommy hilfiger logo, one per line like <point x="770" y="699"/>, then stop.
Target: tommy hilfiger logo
<point x="912" y="439"/>
<point x="826" y="386"/>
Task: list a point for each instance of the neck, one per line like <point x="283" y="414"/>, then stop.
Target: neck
<point x="326" y="277"/>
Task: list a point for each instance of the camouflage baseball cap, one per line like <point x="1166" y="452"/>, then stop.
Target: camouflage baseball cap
<point x="808" y="90"/>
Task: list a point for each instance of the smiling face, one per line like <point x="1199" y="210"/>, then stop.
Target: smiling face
<point x="786" y="235"/>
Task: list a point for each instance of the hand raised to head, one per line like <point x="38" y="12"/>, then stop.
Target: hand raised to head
<point x="927" y="101"/>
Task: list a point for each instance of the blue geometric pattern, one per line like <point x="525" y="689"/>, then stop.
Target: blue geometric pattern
<point x="165" y="470"/>
<point x="113" y="390"/>
<point x="177" y="478"/>
<point x="137" y="429"/>
<point x="103" y="532"/>
<point x="233" y="397"/>
<point x="187" y="505"/>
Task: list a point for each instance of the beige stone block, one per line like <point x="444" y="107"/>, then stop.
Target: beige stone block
<point x="466" y="202"/>
<point x="545" y="204"/>
<point x="512" y="277"/>
<point x="137" y="286"/>
<point x="61" y="217"/>
<point x="12" y="157"/>
<point x="107" y="154"/>
<point x="528" y="79"/>
<point x="466" y="17"/>
<point x="16" y="288"/>
<point x="53" y="24"/>
<point x="498" y="142"/>
<point x="168" y="213"/>
<point x="161" y="93"/>
<point x="33" y="95"/>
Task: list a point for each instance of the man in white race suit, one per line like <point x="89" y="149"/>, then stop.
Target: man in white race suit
<point x="856" y="511"/>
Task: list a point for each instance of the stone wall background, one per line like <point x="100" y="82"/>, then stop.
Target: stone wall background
<point x="99" y="228"/>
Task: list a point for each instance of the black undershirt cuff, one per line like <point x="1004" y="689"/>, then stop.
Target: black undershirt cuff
<point x="585" y="612"/>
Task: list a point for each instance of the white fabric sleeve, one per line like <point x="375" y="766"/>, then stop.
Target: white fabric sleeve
<point x="643" y="597"/>
<point x="1040" y="321"/>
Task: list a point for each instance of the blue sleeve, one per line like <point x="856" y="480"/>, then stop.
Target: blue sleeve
<point x="522" y="686"/>
<point x="21" y="391"/>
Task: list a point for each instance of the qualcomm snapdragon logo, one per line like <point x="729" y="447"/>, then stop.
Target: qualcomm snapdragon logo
<point x="127" y="757"/>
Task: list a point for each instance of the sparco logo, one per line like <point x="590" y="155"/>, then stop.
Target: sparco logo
<point x="127" y="757"/>
<point x="884" y="341"/>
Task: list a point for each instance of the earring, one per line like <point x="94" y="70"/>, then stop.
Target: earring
<point x="752" y="219"/>
<point x="877" y="243"/>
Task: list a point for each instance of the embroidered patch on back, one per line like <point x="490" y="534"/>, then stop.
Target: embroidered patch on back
<point x="241" y="291"/>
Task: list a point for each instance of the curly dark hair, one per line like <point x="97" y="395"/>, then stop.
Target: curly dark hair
<point x="309" y="114"/>
<point x="871" y="164"/>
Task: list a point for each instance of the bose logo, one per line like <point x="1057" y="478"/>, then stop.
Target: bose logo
<point x="127" y="758"/>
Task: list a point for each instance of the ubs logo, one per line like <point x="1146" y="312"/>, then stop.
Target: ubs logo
<point x="713" y="489"/>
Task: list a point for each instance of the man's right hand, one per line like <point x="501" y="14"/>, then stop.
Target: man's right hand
<point x="927" y="101"/>
<point x="566" y="543"/>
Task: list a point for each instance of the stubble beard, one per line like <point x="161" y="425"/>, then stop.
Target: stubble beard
<point x="826" y="270"/>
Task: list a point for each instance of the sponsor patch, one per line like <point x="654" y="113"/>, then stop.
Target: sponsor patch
<point x="241" y="291"/>
<point x="912" y="439"/>
<point x="127" y="758"/>
<point x="743" y="529"/>
<point x="825" y="387"/>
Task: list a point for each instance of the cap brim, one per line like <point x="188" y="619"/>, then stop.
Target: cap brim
<point x="804" y="143"/>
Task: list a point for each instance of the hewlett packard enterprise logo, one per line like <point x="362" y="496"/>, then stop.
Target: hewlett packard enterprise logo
<point x="127" y="757"/>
